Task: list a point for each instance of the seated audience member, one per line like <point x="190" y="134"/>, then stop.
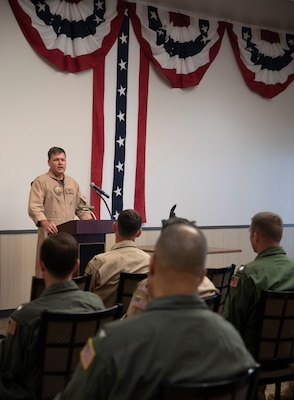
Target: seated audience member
<point x="177" y="337"/>
<point x="141" y="296"/>
<point x="271" y="270"/>
<point x="123" y="256"/>
<point x="18" y="351"/>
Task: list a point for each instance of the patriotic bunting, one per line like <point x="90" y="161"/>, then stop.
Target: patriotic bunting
<point x="265" y="58"/>
<point x="71" y="34"/>
<point x="182" y="47"/>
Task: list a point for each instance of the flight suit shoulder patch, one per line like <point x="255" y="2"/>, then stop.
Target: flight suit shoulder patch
<point x="11" y="327"/>
<point x="140" y="302"/>
<point x="88" y="354"/>
<point x="234" y="281"/>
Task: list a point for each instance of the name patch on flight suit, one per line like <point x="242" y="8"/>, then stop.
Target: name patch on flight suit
<point x="69" y="191"/>
<point x="88" y="354"/>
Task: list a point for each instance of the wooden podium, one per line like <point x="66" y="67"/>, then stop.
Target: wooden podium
<point x="90" y="235"/>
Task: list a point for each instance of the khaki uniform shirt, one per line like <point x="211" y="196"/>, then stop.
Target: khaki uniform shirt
<point x="176" y="338"/>
<point x="51" y="200"/>
<point x="106" y="267"/>
<point x="141" y="296"/>
<point x="18" y="351"/>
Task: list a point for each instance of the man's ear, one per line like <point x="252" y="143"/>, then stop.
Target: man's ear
<point x="203" y="275"/>
<point x="151" y="265"/>
<point x="76" y="266"/>
<point x="114" y="226"/>
<point x="139" y="232"/>
<point x="42" y="265"/>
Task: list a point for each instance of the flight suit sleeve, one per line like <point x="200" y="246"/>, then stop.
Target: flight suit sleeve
<point x="80" y="213"/>
<point x="36" y="202"/>
<point x="93" y="268"/>
<point x="240" y="297"/>
<point x="140" y="298"/>
<point x="16" y="357"/>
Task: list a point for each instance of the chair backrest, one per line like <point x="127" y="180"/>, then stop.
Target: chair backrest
<point x="276" y="330"/>
<point x="38" y="284"/>
<point x="242" y="387"/>
<point x="221" y="277"/>
<point x="61" y="338"/>
<point x="213" y="301"/>
<point x="126" y="287"/>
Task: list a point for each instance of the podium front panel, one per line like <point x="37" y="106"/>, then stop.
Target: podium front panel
<point x="90" y="235"/>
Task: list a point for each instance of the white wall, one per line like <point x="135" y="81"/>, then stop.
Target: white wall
<point x="218" y="150"/>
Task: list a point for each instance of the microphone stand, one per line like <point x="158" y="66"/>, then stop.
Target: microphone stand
<point x="111" y="217"/>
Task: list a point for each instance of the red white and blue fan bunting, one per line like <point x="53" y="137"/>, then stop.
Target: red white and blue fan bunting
<point x="72" y="34"/>
<point x="265" y="58"/>
<point x="182" y="47"/>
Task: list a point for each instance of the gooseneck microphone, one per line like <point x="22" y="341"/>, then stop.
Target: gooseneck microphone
<point x="99" y="190"/>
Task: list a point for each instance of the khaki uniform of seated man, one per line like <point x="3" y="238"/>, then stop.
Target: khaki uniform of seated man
<point x="123" y="256"/>
<point x="141" y="296"/>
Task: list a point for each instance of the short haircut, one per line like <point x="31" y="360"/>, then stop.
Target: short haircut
<point x="176" y="220"/>
<point x="55" y="150"/>
<point x="59" y="253"/>
<point x="129" y="222"/>
<point x="268" y="224"/>
<point x="182" y="247"/>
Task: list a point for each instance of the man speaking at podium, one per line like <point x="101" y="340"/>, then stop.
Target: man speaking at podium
<point x="54" y="199"/>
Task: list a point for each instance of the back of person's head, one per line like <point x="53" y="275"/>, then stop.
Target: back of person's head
<point x="176" y="220"/>
<point x="55" y="150"/>
<point x="129" y="223"/>
<point x="181" y="248"/>
<point x="59" y="253"/>
<point x="269" y="225"/>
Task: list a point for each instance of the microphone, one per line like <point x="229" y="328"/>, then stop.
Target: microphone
<point x="99" y="190"/>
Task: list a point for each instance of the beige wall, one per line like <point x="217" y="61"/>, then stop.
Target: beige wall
<point x="17" y="257"/>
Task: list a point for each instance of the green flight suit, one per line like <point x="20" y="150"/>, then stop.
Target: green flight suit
<point x="18" y="351"/>
<point x="175" y="337"/>
<point x="271" y="270"/>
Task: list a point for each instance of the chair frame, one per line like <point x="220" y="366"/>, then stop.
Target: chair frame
<point x="241" y="387"/>
<point x="61" y="338"/>
<point x="221" y="278"/>
<point x="38" y="284"/>
<point x="128" y="278"/>
<point x="276" y="345"/>
<point x="6" y="313"/>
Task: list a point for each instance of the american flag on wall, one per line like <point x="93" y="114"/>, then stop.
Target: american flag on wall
<point x="119" y="126"/>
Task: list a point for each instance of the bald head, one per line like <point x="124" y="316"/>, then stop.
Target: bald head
<point x="178" y="263"/>
<point x="181" y="248"/>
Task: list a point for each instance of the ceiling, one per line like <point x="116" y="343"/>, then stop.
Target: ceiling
<point x="272" y="14"/>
